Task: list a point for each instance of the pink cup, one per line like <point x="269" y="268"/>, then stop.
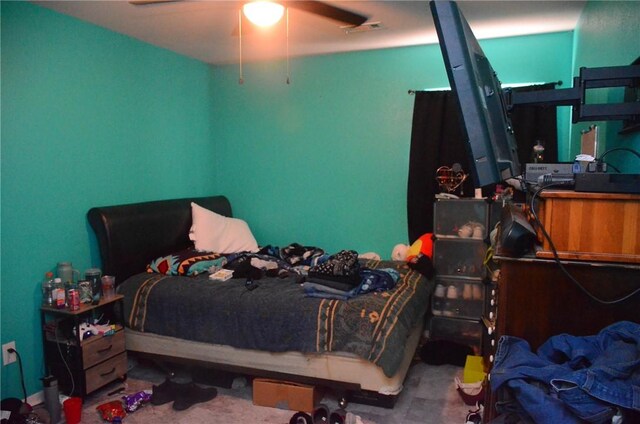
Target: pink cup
<point x="108" y="287"/>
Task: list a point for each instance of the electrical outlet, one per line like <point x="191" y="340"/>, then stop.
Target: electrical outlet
<point x="8" y="358"/>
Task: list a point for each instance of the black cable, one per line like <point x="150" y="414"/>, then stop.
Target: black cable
<point x="55" y="336"/>
<point x="64" y="361"/>
<point x="557" y="258"/>
<point x="24" y="389"/>
<point x="626" y="149"/>
<point x="601" y="158"/>
<point x="618" y="149"/>
<point x="614" y="168"/>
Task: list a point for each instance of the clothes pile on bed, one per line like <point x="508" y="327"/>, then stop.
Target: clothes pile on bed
<point x="337" y="276"/>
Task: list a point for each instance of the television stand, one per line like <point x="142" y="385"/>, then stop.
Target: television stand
<point x="600" y="227"/>
<point x="535" y="300"/>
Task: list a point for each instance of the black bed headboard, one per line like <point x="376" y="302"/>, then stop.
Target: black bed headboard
<point x="130" y="236"/>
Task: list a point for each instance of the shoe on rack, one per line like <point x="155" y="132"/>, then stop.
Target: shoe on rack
<point x="165" y="392"/>
<point x="190" y="394"/>
<point x="321" y="414"/>
<point x="301" y="418"/>
<point x="339" y="416"/>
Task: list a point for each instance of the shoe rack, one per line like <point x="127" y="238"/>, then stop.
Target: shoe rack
<point x="459" y="249"/>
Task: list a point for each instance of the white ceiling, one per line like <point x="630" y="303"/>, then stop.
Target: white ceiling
<point x="203" y="29"/>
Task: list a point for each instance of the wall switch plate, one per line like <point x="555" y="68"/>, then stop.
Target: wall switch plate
<point x="8" y="358"/>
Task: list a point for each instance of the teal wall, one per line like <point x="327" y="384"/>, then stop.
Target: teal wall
<point x="609" y="35"/>
<point x="89" y="118"/>
<point x="324" y="160"/>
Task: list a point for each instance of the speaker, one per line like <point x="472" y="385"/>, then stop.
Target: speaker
<point x="516" y="236"/>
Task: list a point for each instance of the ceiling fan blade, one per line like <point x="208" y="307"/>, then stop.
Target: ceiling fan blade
<point x="328" y="11"/>
<point x="315" y="7"/>
<point x="149" y="2"/>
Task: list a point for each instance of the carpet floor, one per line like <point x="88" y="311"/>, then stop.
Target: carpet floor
<point x="429" y="397"/>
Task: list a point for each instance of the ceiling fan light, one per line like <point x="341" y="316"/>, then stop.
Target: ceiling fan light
<point x="263" y="13"/>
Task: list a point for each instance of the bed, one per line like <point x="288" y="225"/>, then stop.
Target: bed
<point x="363" y="347"/>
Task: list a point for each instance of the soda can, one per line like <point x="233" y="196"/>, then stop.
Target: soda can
<point x="74" y="300"/>
<point x="59" y="297"/>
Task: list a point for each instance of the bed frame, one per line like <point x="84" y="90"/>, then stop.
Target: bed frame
<point x="130" y="236"/>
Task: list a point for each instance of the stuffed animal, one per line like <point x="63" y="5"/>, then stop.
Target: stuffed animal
<point x="418" y="255"/>
<point x="399" y="252"/>
<point x="423" y="245"/>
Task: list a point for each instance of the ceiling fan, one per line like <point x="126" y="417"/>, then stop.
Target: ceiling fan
<point x="319" y="8"/>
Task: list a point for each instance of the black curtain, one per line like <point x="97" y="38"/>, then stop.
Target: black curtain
<point x="532" y="123"/>
<point x="437" y="140"/>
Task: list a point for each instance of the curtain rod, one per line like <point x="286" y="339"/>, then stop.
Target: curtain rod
<point x="558" y="83"/>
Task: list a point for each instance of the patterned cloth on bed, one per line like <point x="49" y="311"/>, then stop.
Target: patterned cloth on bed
<point x="277" y="316"/>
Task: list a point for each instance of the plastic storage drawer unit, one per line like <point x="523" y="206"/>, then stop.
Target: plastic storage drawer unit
<point x="458" y="330"/>
<point x="464" y="218"/>
<point x="459" y="258"/>
<point x="458" y="298"/>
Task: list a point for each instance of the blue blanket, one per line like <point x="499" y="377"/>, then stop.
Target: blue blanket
<point x="276" y="315"/>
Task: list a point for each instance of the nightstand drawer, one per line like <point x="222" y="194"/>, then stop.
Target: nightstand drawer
<point x="106" y="372"/>
<point x="101" y="348"/>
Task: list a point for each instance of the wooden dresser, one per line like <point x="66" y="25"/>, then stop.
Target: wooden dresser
<point x="603" y="227"/>
<point x="597" y="237"/>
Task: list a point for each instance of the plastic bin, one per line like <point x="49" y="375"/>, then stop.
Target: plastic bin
<point x="453" y="218"/>
<point x="459" y="258"/>
<point x="458" y="298"/>
<point x="467" y="332"/>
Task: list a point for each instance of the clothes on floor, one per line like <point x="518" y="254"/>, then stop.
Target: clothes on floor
<point x="571" y="379"/>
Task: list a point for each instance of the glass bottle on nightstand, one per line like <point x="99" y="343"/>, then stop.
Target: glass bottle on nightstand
<point x="47" y="289"/>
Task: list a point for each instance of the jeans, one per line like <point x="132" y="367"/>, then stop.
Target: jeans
<point x="370" y="280"/>
<point x="573" y="378"/>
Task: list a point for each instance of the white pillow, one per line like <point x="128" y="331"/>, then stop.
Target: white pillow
<point x="212" y="232"/>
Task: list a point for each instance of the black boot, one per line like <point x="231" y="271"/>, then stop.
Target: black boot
<point x="165" y="392"/>
<point x="190" y="394"/>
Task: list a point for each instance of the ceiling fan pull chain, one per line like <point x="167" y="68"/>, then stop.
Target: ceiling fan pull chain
<point x="241" y="80"/>
<point x="288" y="67"/>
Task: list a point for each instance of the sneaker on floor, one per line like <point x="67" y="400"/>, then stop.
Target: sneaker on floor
<point x="165" y="392"/>
<point x="190" y="394"/>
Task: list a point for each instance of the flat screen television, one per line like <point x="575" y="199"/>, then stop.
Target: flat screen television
<point x="491" y="144"/>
